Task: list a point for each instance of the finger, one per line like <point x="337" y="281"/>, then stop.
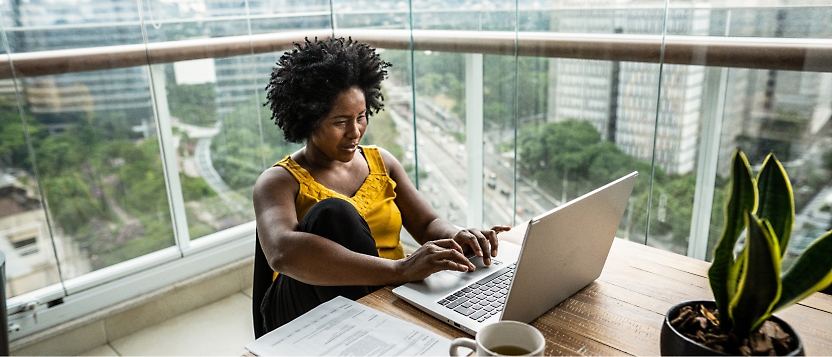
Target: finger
<point x="452" y="265"/>
<point x="484" y="245"/>
<point x="472" y="240"/>
<point x="494" y="241"/>
<point x="457" y="257"/>
<point x="499" y="229"/>
<point x="448" y="244"/>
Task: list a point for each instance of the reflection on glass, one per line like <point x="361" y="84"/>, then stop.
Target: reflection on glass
<point x="93" y="141"/>
<point x="224" y="136"/>
<point x="440" y="132"/>
<point x="99" y="168"/>
<point x="24" y="231"/>
<point x="785" y="113"/>
<point x="584" y="123"/>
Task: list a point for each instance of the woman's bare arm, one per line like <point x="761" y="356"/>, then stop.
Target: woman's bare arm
<point x="319" y="261"/>
<point x="420" y="219"/>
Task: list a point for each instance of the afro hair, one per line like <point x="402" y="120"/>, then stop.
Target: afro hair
<point x="306" y="81"/>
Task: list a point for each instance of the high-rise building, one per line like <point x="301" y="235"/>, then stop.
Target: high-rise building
<point x="58" y="100"/>
<point x="619" y="98"/>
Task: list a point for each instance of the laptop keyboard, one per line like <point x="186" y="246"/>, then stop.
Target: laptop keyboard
<point x="482" y="299"/>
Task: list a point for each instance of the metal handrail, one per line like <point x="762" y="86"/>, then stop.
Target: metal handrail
<point x="812" y="55"/>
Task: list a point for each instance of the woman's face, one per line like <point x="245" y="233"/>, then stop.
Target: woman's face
<point x="338" y="135"/>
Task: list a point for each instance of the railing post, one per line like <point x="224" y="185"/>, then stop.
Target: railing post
<point x="170" y="157"/>
<point x="713" y="109"/>
<point x="474" y="136"/>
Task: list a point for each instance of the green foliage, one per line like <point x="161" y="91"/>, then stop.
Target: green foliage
<point x="143" y="185"/>
<point x="195" y="188"/>
<point x="827" y="159"/>
<point x="193" y="103"/>
<point x="750" y="287"/>
<point x="96" y="181"/>
<point x="13" y="149"/>
<point x="237" y="151"/>
<point x="76" y="205"/>
<point x="573" y="151"/>
<point x="382" y="132"/>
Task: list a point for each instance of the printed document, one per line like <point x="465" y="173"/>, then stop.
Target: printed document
<point x="342" y="327"/>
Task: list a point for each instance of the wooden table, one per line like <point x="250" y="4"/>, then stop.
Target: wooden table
<point x="621" y="313"/>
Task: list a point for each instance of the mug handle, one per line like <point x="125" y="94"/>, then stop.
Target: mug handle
<point x="463" y="342"/>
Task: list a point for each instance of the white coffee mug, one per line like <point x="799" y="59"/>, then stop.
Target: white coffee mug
<point x="504" y="338"/>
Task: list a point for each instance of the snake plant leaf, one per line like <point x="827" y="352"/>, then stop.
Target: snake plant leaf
<point x="734" y="275"/>
<point x="759" y="287"/>
<point x="776" y="199"/>
<point x="742" y="199"/>
<point x="810" y="273"/>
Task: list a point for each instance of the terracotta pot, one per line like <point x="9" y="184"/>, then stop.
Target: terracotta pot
<point x="673" y="343"/>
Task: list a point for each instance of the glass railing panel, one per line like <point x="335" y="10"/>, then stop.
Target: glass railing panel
<point x="787" y="19"/>
<point x="223" y="136"/>
<point x="171" y="21"/>
<point x="785" y="113"/>
<point x="216" y="125"/>
<point x="382" y="14"/>
<point x="25" y="239"/>
<point x="97" y="153"/>
<point x="592" y="121"/>
<point x="676" y="121"/>
<point x="439" y="139"/>
<point x="504" y="200"/>
<point x="757" y="111"/>
<point x="93" y="142"/>
<point x="41" y="25"/>
<point x="532" y="94"/>
<point x="279" y="16"/>
<point x="676" y="149"/>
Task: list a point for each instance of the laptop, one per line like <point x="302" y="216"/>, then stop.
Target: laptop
<point x="562" y="251"/>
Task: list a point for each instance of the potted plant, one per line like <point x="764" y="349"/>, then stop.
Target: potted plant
<point x="749" y="287"/>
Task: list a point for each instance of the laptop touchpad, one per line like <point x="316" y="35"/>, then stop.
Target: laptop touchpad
<point x="481" y="268"/>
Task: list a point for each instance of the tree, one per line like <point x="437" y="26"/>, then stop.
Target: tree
<point x="556" y="152"/>
<point x="193" y="103"/>
<point x="573" y="149"/>
<point x="382" y="132"/>
<point x="14" y="151"/>
<point x="238" y="152"/>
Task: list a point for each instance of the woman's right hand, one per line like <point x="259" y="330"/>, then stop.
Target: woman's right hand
<point x="434" y="256"/>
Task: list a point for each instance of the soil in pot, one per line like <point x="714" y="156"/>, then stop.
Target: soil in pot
<point x="700" y="323"/>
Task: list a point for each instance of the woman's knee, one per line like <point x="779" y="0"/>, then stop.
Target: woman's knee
<point x="338" y="221"/>
<point x="333" y="209"/>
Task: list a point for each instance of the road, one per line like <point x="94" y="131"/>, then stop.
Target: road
<point x="443" y="157"/>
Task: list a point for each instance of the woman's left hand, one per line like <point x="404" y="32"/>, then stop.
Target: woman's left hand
<point x="482" y="242"/>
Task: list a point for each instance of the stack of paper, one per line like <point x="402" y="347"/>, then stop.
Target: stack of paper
<point x="342" y="327"/>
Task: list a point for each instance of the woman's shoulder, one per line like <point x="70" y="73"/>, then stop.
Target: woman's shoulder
<point x="274" y="176"/>
<point x="277" y="177"/>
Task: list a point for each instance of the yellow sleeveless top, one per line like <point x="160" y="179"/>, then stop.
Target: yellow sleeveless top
<point x="374" y="201"/>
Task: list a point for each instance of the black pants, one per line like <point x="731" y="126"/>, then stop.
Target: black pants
<point x="338" y="221"/>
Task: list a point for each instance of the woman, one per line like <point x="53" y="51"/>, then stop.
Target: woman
<point x="330" y="214"/>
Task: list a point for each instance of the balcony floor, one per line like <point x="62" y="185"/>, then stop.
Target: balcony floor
<point x="222" y="328"/>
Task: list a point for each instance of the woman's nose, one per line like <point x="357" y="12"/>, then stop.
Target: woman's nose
<point x="354" y="130"/>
